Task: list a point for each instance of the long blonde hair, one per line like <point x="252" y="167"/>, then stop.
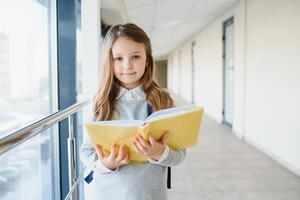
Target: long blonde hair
<point x="104" y="100"/>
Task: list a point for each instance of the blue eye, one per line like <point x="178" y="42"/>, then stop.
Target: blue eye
<point x="118" y="59"/>
<point x="135" y="57"/>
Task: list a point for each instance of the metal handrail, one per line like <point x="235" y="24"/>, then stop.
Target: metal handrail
<point x="75" y="184"/>
<point x="14" y="138"/>
<point x="17" y="137"/>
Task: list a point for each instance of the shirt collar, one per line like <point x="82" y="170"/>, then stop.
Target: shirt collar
<point x="134" y="94"/>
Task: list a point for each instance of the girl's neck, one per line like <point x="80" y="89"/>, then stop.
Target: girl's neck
<point x="130" y="87"/>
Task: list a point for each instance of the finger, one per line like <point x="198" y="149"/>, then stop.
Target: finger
<point x="144" y="142"/>
<point x="141" y="147"/>
<point x="129" y="153"/>
<point x="122" y="153"/>
<point x="112" y="154"/>
<point x="99" y="151"/>
<point x="151" y="139"/>
<point x="165" y="138"/>
<point x="136" y="148"/>
<point x="126" y="158"/>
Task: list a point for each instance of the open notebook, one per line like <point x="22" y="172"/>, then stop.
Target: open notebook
<point x="183" y="124"/>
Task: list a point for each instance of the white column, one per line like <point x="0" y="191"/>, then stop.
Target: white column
<point x="90" y="39"/>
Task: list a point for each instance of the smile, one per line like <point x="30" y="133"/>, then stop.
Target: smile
<point x="127" y="74"/>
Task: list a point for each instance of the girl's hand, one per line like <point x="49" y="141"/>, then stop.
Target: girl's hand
<point x="153" y="149"/>
<point x="113" y="160"/>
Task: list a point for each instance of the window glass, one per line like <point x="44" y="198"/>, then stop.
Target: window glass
<point x="26" y="172"/>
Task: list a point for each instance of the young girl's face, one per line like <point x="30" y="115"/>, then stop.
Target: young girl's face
<point x="129" y="60"/>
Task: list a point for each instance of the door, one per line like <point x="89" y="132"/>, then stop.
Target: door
<point x="193" y="74"/>
<point x="228" y="70"/>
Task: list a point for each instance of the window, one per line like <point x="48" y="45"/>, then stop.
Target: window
<point x="26" y="172"/>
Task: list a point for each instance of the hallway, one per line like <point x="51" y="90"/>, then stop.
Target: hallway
<point x="224" y="167"/>
<point x="238" y="59"/>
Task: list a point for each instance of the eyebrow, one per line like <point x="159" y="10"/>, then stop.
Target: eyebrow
<point x="136" y="52"/>
<point x="120" y="54"/>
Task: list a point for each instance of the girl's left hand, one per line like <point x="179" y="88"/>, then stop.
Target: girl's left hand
<point x="152" y="148"/>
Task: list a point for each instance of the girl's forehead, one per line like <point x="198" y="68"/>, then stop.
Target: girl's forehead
<point x="126" y="44"/>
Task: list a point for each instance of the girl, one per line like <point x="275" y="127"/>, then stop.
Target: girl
<point x="127" y="91"/>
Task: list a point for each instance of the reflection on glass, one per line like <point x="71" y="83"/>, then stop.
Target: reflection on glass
<point x="24" y="68"/>
<point x="24" y="88"/>
<point x="25" y="171"/>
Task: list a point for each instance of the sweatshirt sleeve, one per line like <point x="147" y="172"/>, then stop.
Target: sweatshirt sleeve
<point x="170" y="157"/>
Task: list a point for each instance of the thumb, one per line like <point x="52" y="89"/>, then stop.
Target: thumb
<point x="165" y="138"/>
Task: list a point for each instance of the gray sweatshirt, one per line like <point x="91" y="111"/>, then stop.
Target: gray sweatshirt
<point x="135" y="181"/>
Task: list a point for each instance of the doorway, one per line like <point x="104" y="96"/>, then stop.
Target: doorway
<point x="228" y="70"/>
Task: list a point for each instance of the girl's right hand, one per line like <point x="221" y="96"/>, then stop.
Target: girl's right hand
<point x="113" y="160"/>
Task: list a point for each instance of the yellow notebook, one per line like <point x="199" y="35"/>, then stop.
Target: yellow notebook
<point x="183" y="124"/>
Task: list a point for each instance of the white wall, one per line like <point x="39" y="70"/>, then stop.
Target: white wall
<point x="169" y="72"/>
<point x="186" y="73"/>
<point x="209" y="68"/>
<point x="90" y="52"/>
<point x="273" y="78"/>
<point x="266" y="76"/>
<point x="174" y="73"/>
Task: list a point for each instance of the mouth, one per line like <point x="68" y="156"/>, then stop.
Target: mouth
<point x="128" y="74"/>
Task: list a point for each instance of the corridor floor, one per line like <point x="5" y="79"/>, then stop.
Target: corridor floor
<point x="223" y="167"/>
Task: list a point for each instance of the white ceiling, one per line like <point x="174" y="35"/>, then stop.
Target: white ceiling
<point x="167" y="22"/>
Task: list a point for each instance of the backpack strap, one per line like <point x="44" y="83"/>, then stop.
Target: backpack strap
<point x="169" y="178"/>
<point x="149" y="110"/>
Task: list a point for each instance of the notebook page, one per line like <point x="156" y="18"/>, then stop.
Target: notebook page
<point x="169" y="112"/>
<point x="119" y="123"/>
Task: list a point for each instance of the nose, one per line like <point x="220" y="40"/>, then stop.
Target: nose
<point x="127" y="64"/>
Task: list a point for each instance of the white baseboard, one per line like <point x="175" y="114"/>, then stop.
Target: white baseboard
<point x="239" y="135"/>
<point x="282" y="162"/>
